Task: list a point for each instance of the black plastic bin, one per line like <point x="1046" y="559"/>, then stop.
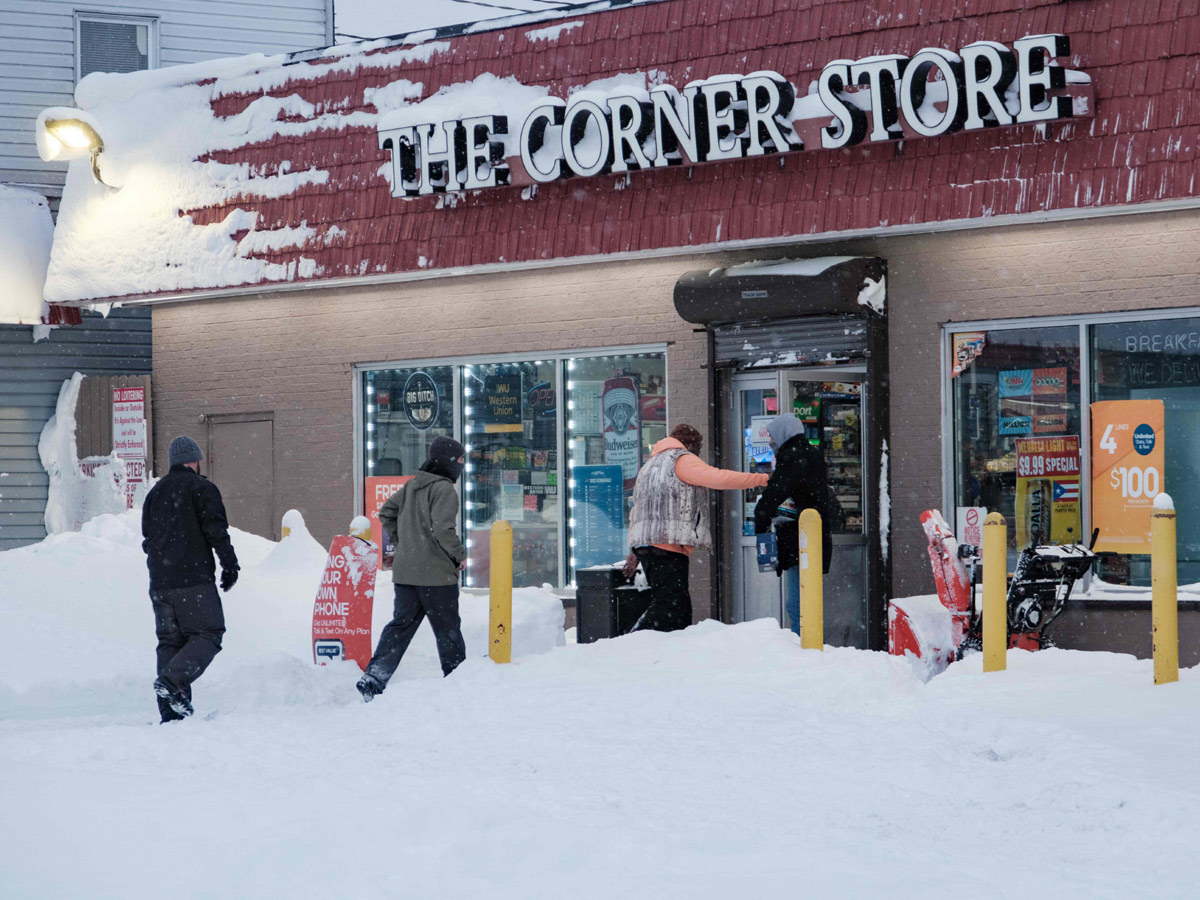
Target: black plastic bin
<point x="606" y="603"/>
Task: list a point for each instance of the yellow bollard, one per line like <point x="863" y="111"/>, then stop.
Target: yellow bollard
<point x="1164" y="602"/>
<point x="500" y="581"/>
<point x="995" y="593"/>
<point x="812" y="582"/>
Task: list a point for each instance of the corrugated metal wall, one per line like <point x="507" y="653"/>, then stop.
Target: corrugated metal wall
<point x="30" y="378"/>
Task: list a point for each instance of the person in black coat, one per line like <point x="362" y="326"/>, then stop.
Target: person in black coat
<point x="800" y="481"/>
<point x="183" y="524"/>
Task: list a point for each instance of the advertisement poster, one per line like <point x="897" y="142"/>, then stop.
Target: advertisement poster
<point x="377" y="489"/>
<point x="421" y="401"/>
<point x="586" y="414"/>
<point x="807" y="409"/>
<point x="502" y="396"/>
<point x="1048" y="490"/>
<point x="758" y="441"/>
<point x="622" y="426"/>
<point x="1050" y="400"/>
<point x="129" y="436"/>
<point x="512" y="501"/>
<point x="341" y="624"/>
<point x="599" y="521"/>
<point x="967" y="347"/>
<point x="1033" y="401"/>
<point x="1016" y="401"/>
<point x="1128" y="465"/>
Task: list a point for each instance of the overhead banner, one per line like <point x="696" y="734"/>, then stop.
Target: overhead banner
<point x="341" y="625"/>
<point x="1048" y="491"/>
<point x="1128" y="465"/>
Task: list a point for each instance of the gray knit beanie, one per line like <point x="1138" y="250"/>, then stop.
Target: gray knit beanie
<point x="184" y="450"/>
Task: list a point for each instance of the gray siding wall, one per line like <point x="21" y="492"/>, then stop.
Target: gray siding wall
<point x="31" y="376"/>
<point x="37" y="56"/>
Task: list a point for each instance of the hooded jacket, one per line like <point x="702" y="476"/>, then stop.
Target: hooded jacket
<point x="421" y="520"/>
<point x="800" y="476"/>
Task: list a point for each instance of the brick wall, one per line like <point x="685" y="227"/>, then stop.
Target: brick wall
<point x="293" y="353"/>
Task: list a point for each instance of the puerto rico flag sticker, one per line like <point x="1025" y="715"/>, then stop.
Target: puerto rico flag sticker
<point x="1066" y="490"/>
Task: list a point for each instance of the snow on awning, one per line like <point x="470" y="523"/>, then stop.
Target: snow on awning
<point x="783" y="288"/>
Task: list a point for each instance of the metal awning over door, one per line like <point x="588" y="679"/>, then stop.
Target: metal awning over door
<point x="815" y="340"/>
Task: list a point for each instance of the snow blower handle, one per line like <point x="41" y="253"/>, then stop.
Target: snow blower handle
<point x="1095" y="537"/>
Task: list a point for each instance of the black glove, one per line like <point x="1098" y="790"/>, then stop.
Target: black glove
<point x="229" y="578"/>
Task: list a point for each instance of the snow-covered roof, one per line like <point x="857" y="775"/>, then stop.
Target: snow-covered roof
<point x="26" y="232"/>
<point x="273" y="170"/>
<point x="368" y="19"/>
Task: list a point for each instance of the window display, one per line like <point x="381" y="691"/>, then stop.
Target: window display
<point x="616" y="413"/>
<point x="1016" y="395"/>
<point x="1157" y="360"/>
<point x="510" y="431"/>
<point x="404" y="410"/>
<point x="521" y="442"/>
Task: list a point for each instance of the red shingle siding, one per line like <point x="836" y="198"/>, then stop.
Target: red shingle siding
<point x="1142" y="59"/>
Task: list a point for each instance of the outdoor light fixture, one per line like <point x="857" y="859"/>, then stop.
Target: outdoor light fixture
<point x="75" y="137"/>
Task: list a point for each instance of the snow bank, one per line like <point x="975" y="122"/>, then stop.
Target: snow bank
<point x="76" y="609"/>
<point x="26" y="233"/>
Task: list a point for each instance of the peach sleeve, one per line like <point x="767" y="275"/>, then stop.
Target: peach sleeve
<point x="691" y="469"/>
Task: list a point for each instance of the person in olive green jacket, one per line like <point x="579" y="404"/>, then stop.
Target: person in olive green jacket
<point x="421" y="521"/>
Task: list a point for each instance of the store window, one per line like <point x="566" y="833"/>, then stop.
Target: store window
<point x="530" y="457"/>
<point x="510" y="429"/>
<point x="616" y="413"/>
<point x="403" y="411"/>
<point x="1158" y="360"/>
<point x="1016" y="407"/>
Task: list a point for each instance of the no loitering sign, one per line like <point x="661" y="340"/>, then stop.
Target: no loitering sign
<point x="129" y="436"/>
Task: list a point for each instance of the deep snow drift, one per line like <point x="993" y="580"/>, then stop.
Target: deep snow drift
<point x="78" y="604"/>
<point x="717" y="762"/>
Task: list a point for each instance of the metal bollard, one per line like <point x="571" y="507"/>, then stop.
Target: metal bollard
<point x="1164" y="602"/>
<point x="995" y="593"/>
<point x="500" y="590"/>
<point x="812" y="582"/>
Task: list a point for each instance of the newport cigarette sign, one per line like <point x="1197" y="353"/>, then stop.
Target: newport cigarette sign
<point x="879" y="98"/>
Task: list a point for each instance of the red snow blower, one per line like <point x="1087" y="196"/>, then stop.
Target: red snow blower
<point x="1038" y="590"/>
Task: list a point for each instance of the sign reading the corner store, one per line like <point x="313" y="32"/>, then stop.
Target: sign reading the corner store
<point x="618" y="130"/>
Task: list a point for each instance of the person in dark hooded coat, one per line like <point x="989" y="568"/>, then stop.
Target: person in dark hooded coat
<point x="800" y="481"/>
<point x="421" y="521"/>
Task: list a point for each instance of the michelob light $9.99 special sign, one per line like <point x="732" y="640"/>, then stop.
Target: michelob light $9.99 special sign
<point x="1048" y="490"/>
<point x="1128" y="464"/>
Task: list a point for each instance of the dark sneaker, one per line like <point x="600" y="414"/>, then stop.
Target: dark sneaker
<point x="370" y="687"/>
<point x="179" y="704"/>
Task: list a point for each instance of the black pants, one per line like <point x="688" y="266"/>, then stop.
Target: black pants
<point x="413" y="604"/>
<point x="671" y="604"/>
<point x="189" y="622"/>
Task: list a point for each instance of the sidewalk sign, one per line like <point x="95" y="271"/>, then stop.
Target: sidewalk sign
<point x="341" y="625"/>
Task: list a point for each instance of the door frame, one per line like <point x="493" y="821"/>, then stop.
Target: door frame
<point x="211" y="419"/>
<point x="876" y="431"/>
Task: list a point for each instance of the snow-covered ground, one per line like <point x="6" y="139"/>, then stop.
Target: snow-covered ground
<point x="721" y="761"/>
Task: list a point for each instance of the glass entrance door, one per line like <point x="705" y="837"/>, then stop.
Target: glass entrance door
<point x="832" y="403"/>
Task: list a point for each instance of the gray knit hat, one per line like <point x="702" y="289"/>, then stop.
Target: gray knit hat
<point x="184" y="450"/>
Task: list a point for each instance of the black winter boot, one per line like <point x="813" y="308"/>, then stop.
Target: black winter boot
<point x="370" y="687"/>
<point x="175" y="699"/>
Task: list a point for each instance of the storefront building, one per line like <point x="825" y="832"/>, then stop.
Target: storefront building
<point x="938" y="237"/>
